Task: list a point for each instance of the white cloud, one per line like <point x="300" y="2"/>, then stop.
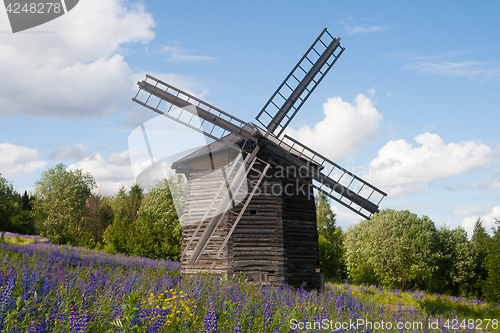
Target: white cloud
<point x="344" y="217"/>
<point x="357" y="29"/>
<point x="76" y="71"/>
<point x="116" y="171"/>
<point x="19" y="161"/>
<point x="177" y="54"/>
<point x="73" y="153"/>
<point x="471" y="69"/>
<point x="488" y="220"/>
<point x="444" y="65"/>
<point x="464" y="209"/>
<point x="110" y="173"/>
<point x="489" y="183"/>
<point x="401" y="168"/>
<point x="344" y="130"/>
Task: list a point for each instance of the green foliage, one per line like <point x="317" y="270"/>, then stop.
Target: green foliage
<point x="98" y="217"/>
<point x="329" y="239"/>
<point x="9" y="206"/>
<point x="396" y="247"/>
<point x="356" y="257"/>
<point x="480" y="242"/>
<point x="117" y="235"/>
<point x="157" y="231"/>
<point x="455" y="274"/>
<point x="62" y="203"/>
<point x="492" y="283"/>
<point x="15" y="210"/>
<point x="127" y="204"/>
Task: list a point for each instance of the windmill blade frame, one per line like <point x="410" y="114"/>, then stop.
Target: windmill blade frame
<point x="300" y="83"/>
<point x="335" y="181"/>
<point x="182" y="100"/>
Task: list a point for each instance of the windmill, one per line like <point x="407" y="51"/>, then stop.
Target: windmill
<point x="234" y="220"/>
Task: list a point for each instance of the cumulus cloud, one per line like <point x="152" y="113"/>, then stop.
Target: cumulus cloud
<point x="116" y="171"/>
<point x="18" y="161"/>
<point x="345" y="128"/>
<point x="77" y="71"/>
<point x="110" y="173"/>
<point x="488" y="220"/>
<point x="401" y="168"/>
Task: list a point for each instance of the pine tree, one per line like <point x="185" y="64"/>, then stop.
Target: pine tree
<point x="480" y="242"/>
<point x="492" y="284"/>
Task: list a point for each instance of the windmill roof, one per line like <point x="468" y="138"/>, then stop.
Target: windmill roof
<point x="231" y="140"/>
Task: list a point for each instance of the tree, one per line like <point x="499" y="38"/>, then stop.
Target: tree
<point x="358" y="264"/>
<point x="397" y="247"/>
<point x="480" y="242"/>
<point x="329" y="238"/>
<point x="62" y="203"/>
<point x="157" y="231"/>
<point x="456" y="263"/>
<point x="127" y="204"/>
<point x="27" y="201"/>
<point x="9" y="206"/>
<point x="99" y="215"/>
<point x="492" y="283"/>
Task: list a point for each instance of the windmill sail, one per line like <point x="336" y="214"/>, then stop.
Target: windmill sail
<point x="336" y="182"/>
<point x="300" y="83"/>
<point x="185" y="108"/>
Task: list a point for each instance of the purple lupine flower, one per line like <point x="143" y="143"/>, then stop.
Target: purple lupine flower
<point x="267" y="313"/>
<point x="6" y="301"/>
<point x="210" y="321"/>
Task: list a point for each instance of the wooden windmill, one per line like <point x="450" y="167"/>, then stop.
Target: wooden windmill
<point x="250" y="196"/>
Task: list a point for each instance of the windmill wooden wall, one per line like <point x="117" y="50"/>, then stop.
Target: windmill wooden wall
<point x="276" y="240"/>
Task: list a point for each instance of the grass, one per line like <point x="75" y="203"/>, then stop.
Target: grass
<point x="17" y="240"/>
<point x="50" y="288"/>
<point x="433" y="305"/>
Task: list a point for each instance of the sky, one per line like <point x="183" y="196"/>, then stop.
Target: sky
<point x="411" y="105"/>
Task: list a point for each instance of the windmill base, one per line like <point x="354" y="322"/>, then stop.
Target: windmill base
<point x="274" y="243"/>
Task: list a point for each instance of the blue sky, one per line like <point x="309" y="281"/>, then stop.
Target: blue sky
<point x="411" y="105"/>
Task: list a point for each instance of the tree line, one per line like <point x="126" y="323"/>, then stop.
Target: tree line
<point x="65" y="208"/>
<point x="396" y="249"/>
<point x="399" y="250"/>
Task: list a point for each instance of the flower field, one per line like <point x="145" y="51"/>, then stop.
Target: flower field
<point x="51" y="288"/>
